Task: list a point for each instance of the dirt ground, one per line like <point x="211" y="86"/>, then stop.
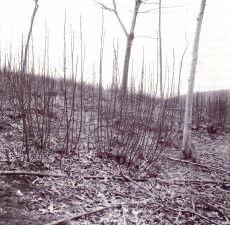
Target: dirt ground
<point x="94" y="191"/>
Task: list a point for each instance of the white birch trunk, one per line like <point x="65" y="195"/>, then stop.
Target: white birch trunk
<point x="187" y="131"/>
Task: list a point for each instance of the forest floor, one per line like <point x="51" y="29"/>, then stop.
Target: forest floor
<point x="98" y="191"/>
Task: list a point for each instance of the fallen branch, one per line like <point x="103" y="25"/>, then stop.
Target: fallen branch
<point x="144" y="179"/>
<point x="192" y="212"/>
<point x="217" y="208"/>
<point x="179" y="182"/>
<point x="140" y="180"/>
<point x="169" y="208"/>
<point x="78" y="216"/>
<point x="29" y="173"/>
<point x="147" y="191"/>
<point x="116" y="193"/>
<point x="94" y="177"/>
<point x="199" y="165"/>
<point x="5" y="161"/>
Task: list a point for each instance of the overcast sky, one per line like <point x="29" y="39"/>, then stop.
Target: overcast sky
<point x="178" y="21"/>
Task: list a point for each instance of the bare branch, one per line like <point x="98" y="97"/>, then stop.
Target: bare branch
<point x="104" y="6"/>
<point x="119" y="18"/>
<point x="145" y="36"/>
<point x="114" y="10"/>
<point x="149" y="3"/>
<point x="114" y="5"/>
<point x="164" y="7"/>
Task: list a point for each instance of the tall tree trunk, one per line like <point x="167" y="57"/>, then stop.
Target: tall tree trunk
<point x="129" y="39"/>
<point x="187" y="132"/>
<point x="29" y="36"/>
<point x="22" y="105"/>
<point x="160" y="51"/>
<point x="129" y="44"/>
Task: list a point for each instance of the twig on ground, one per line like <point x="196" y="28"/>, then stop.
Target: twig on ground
<point x="114" y="177"/>
<point x="216" y="208"/>
<point x="148" y="192"/>
<point x="179" y="182"/>
<point x="199" y="165"/>
<point x="5" y="161"/>
<point x="94" y="177"/>
<point x="124" y="195"/>
<point x="192" y="212"/>
<point x="29" y="173"/>
<point x="112" y="206"/>
<point x="78" y="216"/>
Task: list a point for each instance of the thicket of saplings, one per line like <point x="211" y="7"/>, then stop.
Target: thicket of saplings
<point x="63" y="117"/>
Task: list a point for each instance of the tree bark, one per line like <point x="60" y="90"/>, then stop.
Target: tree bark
<point x="187" y="131"/>
<point x="126" y="62"/>
<point x="129" y="44"/>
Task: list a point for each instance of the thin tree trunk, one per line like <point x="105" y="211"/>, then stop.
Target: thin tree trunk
<point x="29" y="36"/>
<point x="129" y="39"/>
<point x="129" y="44"/>
<point x="178" y="87"/>
<point x="187" y="133"/>
<point x="160" y="51"/>
<point x="22" y="83"/>
<point x="126" y="63"/>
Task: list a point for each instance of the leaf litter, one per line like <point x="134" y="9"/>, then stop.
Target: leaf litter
<point x="96" y="191"/>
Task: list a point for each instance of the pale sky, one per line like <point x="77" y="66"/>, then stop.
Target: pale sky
<point x="213" y="70"/>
